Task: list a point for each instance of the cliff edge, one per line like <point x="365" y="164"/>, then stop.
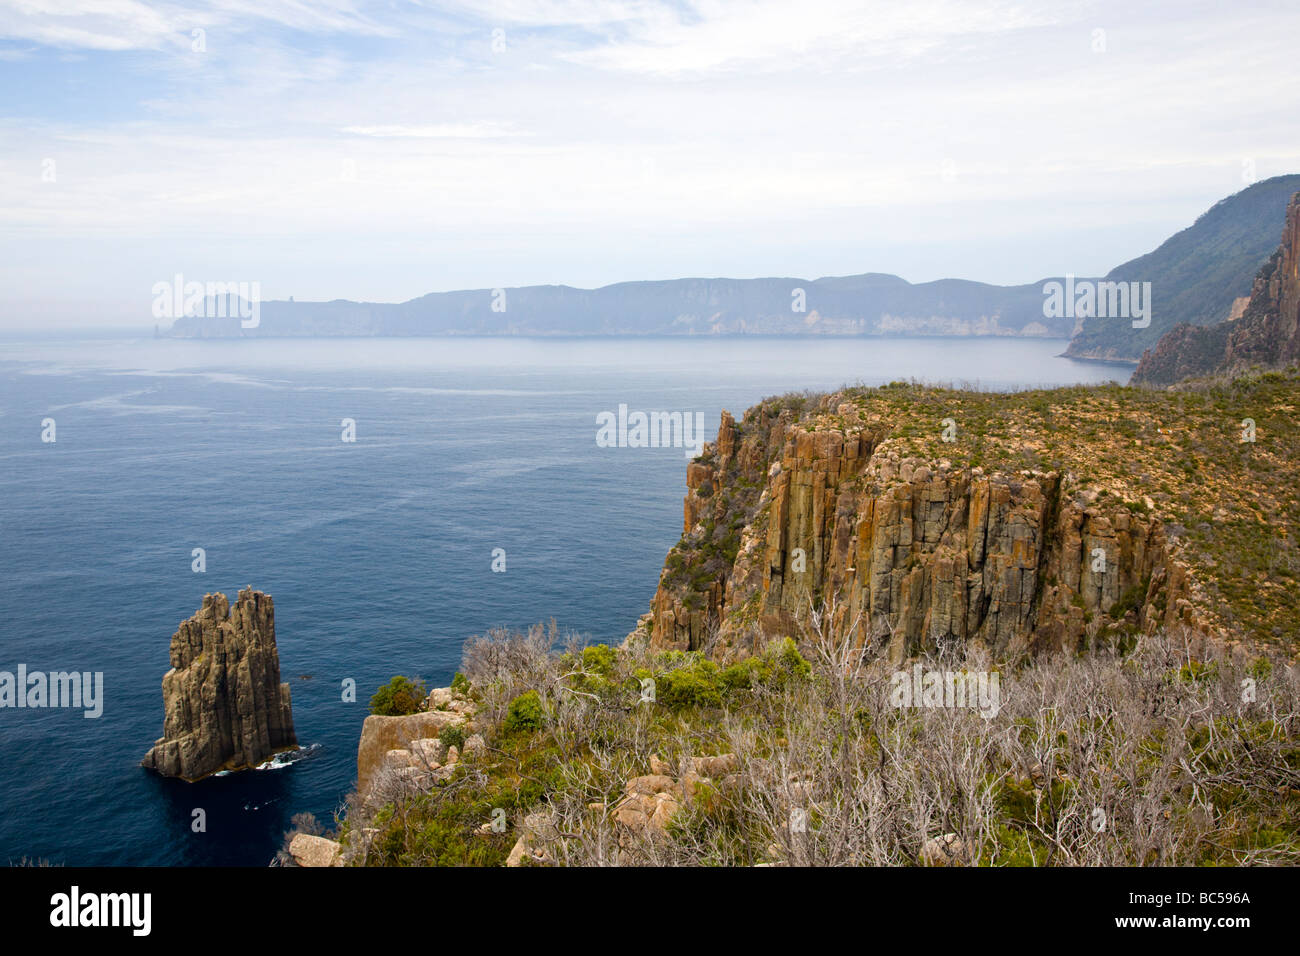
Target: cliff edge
<point x="910" y="518"/>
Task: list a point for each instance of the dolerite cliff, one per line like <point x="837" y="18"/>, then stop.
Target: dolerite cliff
<point x="826" y="508"/>
<point x="225" y="708"/>
<point x="1266" y="335"/>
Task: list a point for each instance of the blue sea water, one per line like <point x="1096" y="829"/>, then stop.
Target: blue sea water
<point x="378" y="553"/>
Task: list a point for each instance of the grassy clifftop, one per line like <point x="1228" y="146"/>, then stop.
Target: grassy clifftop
<point x="1202" y="473"/>
<point x="1178" y="455"/>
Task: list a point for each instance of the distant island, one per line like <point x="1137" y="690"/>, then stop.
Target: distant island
<point x="1197" y="277"/>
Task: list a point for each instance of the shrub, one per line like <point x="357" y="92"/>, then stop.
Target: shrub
<point x="599" y="658"/>
<point x="460" y="683"/>
<point x="740" y="675"/>
<point x="698" y="684"/>
<point x="778" y="665"/>
<point x="786" y="662"/>
<point x="398" y="697"/>
<point x="452" y="737"/>
<point x="1130" y="600"/>
<point x="525" y="713"/>
<point x="1194" y="671"/>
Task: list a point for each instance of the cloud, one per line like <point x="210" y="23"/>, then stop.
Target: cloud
<point x="702" y="134"/>
<point x="767" y="35"/>
<point x="440" y="131"/>
<point x="120" y="25"/>
<point x="87" y="24"/>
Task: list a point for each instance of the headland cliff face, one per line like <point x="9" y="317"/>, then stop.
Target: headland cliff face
<point x="224" y="705"/>
<point x="795" y="512"/>
<point x="1266" y="335"/>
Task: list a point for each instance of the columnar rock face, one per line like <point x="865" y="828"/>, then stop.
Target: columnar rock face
<point x="906" y="555"/>
<point x="1266" y="335"/>
<point x="224" y="705"/>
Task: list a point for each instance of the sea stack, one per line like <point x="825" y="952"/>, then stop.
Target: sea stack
<point x="224" y="705"/>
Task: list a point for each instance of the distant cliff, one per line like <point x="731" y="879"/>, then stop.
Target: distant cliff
<point x="853" y="305"/>
<point x="1266" y="335"/>
<point x="224" y="705"/>
<point x="1052" y="519"/>
<point x="1195" y="275"/>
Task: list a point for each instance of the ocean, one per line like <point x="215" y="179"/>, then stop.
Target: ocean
<point x="378" y="552"/>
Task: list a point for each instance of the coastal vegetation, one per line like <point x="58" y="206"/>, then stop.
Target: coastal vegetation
<point x="1176" y="752"/>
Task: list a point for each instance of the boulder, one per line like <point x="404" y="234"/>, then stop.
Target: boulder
<point x="946" y="850"/>
<point x="650" y="783"/>
<point x="715" y="766"/>
<point x="308" y="850"/>
<point x="640" y="811"/>
<point x="382" y="734"/>
<point x="536" y="827"/>
<point x="661" y="767"/>
<point x="440" y="698"/>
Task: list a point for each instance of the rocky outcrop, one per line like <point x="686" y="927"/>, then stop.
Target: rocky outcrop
<point x="1266" y="335"/>
<point x="308" y="850"/>
<point x="946" y="850"/>
<point x="404" y="751"/>
<point x="224" y="705"/>
<point x="537" y="829"/>
<point x="784" y="517"/>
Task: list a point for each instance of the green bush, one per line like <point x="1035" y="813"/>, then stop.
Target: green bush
<point x="599" y="658"/>
<point x="740" y="675"/>
<point x="698" y="684"/>
<point x="460" y="683"/>
<point x="1194" y="671"/>
<point x="398" y="697"/>
<point x="525" y="713"/>
<point x="777" y="666"/>
<point x="786" y="662"/>
<point x="1130" y="600"/>
<point x="452" y="737"/>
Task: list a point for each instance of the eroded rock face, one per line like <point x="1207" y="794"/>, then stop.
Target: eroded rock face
<point x="916" y="554"/>
<point x="388" y="742"/>
<point x="408" y="747"/>
<point x="224" y="705"/>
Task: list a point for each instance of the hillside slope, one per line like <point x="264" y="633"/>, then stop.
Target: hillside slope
<point x="1266" y="335"/>
<point x="1196" y="274"/>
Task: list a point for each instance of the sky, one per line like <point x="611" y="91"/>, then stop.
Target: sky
<point x="380" y="151"/>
